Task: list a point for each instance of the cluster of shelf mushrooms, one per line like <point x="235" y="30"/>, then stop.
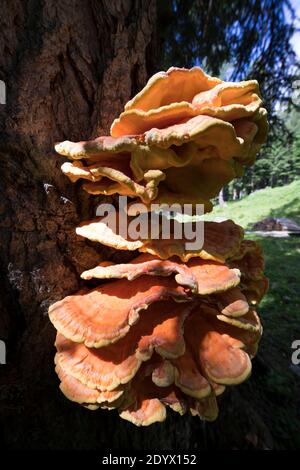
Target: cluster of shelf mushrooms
<point x="173" y="327"/>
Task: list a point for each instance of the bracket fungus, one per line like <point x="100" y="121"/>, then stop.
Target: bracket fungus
<point x="174" y="326"/>
<point x="183" y="126"/>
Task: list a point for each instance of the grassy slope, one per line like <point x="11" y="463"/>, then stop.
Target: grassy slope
<point x="274" y="387"/>
<point x="277" y="390"/>
<point x="271" y="202"/>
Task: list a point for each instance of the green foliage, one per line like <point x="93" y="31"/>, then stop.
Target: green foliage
<point x="239" y="40"/>
<point x="277" y="164"/>
<point x="251" y="39"/>
<point x="252" y="36"/>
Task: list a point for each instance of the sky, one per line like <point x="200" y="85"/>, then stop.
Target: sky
<point x="296" y="38"/>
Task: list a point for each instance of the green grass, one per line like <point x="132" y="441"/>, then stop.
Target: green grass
<point x="277" y="390"/>
<point x="270" y="202"/>
<point x="274" y="388"/>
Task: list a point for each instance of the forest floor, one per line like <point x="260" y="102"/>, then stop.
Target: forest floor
<point x="278" y="388"/>
<point x="275" y="383"/>
<point x="283" y="201"/>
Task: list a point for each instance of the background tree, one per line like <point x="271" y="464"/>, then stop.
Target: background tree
<point x="241" y="40"/>
<point x="251" y="38"/>
<point x="277" y="164"/>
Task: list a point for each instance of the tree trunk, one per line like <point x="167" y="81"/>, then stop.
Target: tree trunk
<point x="69" y="67"/>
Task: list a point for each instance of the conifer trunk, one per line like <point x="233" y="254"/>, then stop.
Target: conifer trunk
<point x="68" y="67"/>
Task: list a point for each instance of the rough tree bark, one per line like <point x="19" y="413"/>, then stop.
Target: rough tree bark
<point x="69" y="67"/>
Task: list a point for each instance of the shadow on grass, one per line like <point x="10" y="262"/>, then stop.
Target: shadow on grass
<point x="274" y="387"/>
<point x="289" y="211"/>
<point x="252" y="415"/>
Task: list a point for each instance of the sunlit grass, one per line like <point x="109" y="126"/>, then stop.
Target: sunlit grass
<point x="275" y="386"/>
<point x="270" y="202"/>
<point x="277" y="390"/>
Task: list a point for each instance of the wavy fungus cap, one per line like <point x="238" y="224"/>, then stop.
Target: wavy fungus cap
<point x="176" y="325"/>
<point x="180" y="94"/>
<point x="159" y="333"/>
<point x="178" y="354"/>
<point x="105" y="314"/>
<point x="163" y="332"/>
<point x="183" y="126"/>
<point x="203" y="277"/>
<point x="160" y="329"/>
<point x="221" y="239"/>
